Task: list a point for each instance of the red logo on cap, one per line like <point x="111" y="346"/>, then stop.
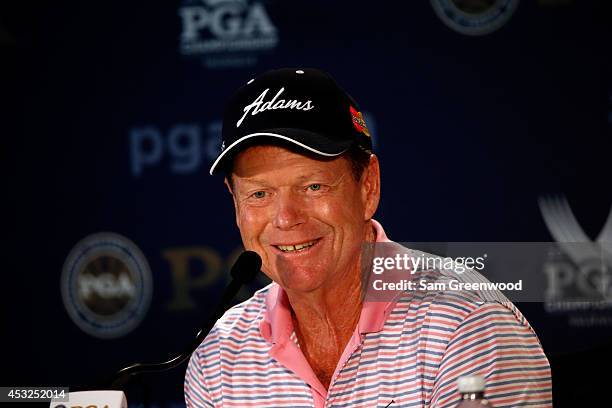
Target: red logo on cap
<point x="358" y="122"/>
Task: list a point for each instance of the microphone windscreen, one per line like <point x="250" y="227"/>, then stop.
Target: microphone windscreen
<point x="246" y="267"/>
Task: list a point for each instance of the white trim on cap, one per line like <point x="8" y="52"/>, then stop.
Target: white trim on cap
<point x="212" y="168"/>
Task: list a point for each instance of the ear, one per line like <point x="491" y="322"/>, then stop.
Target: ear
<point x="370" y="187"/>
<point x="229" y="188"/>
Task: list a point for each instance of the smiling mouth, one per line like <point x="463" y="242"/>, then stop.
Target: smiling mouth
<point x="297" y="247"/>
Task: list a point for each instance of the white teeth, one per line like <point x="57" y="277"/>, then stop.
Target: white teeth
<point x="289" y="248"/>
<point x="286" y="247"/>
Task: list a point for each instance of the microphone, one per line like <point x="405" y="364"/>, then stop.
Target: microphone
<point x="243" y="271"/>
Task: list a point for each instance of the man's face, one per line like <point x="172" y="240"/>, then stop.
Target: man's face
<point x="306" y="218"/>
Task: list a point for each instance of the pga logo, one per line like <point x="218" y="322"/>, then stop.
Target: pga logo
<point x="182" y="148"/>
<point x="584" y="271"/>
<point x="225" y="25"/>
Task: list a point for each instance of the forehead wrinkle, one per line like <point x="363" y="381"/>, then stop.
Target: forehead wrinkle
<point x="308" y="174"/>
<point x="251" y="180"/>
<point x="256" y="181"/>
<point x="315" y="173"/>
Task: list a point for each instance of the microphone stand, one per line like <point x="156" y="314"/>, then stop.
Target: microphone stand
<point x="243" y="271"/>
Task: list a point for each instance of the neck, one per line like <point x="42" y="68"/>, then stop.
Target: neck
<point x="331" y="314"/>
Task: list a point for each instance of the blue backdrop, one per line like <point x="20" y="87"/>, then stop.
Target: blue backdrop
<point x="482" y="112"/>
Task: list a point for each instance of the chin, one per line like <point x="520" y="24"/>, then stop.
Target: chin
<point x="299" y="282"/>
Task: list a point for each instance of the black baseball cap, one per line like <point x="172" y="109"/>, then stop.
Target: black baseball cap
<point x="302" y="107"/>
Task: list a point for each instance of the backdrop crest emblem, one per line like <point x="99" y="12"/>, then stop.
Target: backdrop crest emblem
<point x="106" y="285"/>
<point x="474" y="17"/>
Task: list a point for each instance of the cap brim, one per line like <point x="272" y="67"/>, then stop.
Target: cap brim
<point x="314" y="143"/>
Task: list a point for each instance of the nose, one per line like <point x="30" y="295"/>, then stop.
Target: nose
<point x="289" y="211"/>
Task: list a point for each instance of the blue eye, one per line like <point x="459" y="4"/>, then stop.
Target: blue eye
<point x="259" y="194"/>
<point x="314" y="187"/>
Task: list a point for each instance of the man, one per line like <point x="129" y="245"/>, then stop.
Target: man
<point x="297" y="157"/>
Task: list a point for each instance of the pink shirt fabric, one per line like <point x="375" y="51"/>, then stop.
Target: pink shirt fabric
<point x="404" y="353"/>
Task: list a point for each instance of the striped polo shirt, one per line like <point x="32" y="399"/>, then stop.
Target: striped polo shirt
<point x="408" y="352"/>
